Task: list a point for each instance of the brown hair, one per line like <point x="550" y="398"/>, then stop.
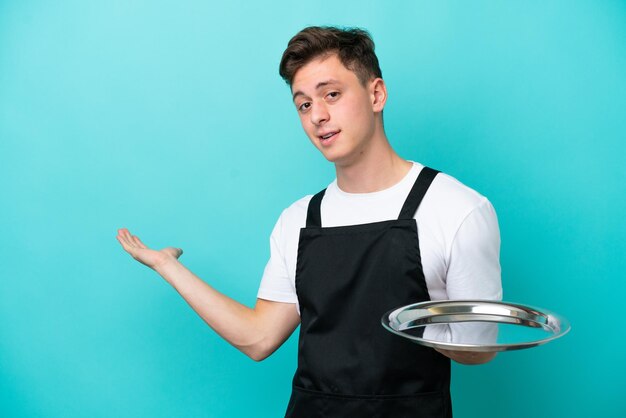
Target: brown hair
<point x="354" y="48"/>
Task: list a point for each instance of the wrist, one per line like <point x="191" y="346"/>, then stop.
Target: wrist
<point x="166" y="266"/>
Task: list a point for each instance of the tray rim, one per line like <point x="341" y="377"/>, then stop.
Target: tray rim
<point x="564" y="325"/>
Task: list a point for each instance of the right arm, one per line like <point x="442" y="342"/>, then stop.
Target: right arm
<point x="257" y="332"/>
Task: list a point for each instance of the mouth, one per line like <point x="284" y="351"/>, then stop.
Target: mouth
<point x="328" y="137"/>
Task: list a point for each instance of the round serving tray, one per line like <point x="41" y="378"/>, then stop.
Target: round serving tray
<point x="475" y="325"/>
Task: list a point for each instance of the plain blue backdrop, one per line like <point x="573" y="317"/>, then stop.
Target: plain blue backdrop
<point x="169" y="118"/>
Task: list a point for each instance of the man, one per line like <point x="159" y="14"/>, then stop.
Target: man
<point x="387" y="232"/>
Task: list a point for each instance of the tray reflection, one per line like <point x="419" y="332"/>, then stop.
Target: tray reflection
<point x="475" y="325"/>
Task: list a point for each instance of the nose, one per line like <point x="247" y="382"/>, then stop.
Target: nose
<point x="319" y="114"/>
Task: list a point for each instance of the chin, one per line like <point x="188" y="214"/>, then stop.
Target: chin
<point x="336" y="154"/>
<point x="337" y="158"/>
<point x="330" y="155"/>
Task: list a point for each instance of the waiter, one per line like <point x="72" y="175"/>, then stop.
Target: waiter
<point x="387" y="232"/>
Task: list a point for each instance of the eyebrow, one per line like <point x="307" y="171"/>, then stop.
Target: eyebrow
<point x="317" y="87"/>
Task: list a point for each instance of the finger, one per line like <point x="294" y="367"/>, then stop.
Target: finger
<point x="125" y="245"/>
<point x="122" y="231"/>
<point x="123" y="239"/>
<point x="138" y="242"/>
<point x="127" y="237"/>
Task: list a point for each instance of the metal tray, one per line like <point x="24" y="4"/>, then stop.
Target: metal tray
<point x="475" y="325"/>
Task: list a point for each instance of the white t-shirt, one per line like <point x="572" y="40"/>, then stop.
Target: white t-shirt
<point x="457" y="229"/>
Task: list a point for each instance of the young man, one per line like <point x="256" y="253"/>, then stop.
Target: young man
<point x="387" y="232"/>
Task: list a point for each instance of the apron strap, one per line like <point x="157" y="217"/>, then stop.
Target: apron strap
<point x="420" y="187"/>
<point x="313" y="215"/>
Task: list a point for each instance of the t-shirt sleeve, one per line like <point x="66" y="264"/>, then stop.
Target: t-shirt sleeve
<point x="276" y="284"/>
<point x="474" y="265"/>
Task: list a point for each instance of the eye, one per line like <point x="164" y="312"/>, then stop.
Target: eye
<point x="333" y="95"/>
<point x="304" y="107"/>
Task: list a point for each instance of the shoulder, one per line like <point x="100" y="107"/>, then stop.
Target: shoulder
<point x="450" y="190"/>
<point x="296" y="212"/>
<point x="450" y="201"/>
<point x="293" y="217"/>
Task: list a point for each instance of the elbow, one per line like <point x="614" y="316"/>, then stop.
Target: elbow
<point x="257" y="352"/>
<point x="258" y="356"/>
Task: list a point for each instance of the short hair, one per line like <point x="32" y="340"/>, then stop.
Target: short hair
<point x="354" y="48"/>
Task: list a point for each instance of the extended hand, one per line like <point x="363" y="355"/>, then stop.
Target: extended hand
<point x="140" y="252"/>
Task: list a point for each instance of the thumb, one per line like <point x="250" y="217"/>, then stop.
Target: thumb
<point x="174" y="252"/>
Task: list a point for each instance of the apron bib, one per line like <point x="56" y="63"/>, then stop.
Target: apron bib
<point x="347" y="277"/>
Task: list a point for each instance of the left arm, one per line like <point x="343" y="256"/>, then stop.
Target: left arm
<point x="474" y="269"/>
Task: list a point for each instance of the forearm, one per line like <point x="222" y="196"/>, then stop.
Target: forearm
<point x="236" y="323"/>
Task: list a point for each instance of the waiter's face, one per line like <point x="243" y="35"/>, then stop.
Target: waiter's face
<point x="337" y="112"/>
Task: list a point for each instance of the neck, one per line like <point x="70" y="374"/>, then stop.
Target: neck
<point x="377" y="168"/>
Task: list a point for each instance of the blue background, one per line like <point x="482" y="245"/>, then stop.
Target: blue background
<point x="169" y="118"/>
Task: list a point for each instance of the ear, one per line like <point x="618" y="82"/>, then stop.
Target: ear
<point x="378" y="94"/>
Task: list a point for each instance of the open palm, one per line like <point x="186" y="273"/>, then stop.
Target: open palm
<point x="140" y="252"/>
